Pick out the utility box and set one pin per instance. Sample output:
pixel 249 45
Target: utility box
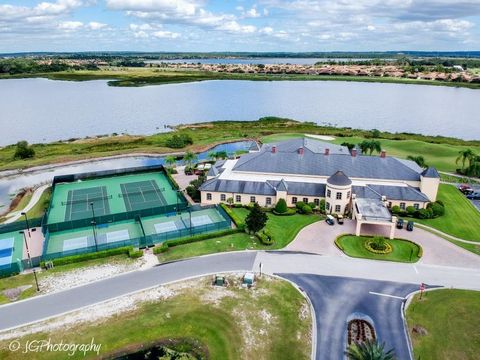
pixel 249 279
pixel 219 280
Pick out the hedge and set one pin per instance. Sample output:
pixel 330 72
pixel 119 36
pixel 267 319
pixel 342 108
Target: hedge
pixel 90 256
pixel 191 239
pixel 288 213
pixel 265 237
pixel 172 180
pixel 240 223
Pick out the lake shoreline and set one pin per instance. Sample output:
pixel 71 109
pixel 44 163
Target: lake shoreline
pixel 134 79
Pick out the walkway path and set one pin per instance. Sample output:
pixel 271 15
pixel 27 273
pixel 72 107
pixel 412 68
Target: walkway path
pixel 33 201
pixel 319 237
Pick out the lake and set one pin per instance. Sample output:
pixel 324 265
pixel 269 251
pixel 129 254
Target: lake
pixel 40 110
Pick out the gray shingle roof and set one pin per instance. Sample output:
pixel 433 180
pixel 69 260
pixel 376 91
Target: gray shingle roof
pixel 300 188
pixel 406 193
pixel 372 167
pixel 431 172
pixel 240 187
pixel 213 171
pixel 340 179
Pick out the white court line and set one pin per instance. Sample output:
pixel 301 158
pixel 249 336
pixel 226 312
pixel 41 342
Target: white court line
pixel 386 295
pixel 415 268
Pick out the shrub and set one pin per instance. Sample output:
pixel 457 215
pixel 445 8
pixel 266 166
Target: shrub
pixel 378 245
pixel 265 237
pixel 322 206
pixel 411 210
pixel 423 214
pixel 179 141
pixel 281 207
pixel 307 210
pixel 396 209
pixel 287 213
pixel 437 209
pixel 299 205
pixel 236 219
pixel 90 256
pixel 238 205
pixel 23 151
pixel 134 254
pixel 312 205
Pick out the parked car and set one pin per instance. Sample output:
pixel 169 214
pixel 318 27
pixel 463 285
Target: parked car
pixel 410 226
pixel 330 220
pixel 340 219
pixel 464 188
pixel 400 224
pixel 474 196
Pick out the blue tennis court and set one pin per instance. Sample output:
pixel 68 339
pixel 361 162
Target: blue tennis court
pixel 6 252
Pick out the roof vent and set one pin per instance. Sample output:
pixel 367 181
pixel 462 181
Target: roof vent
pixel 274 149
pixel 383 154
pixel 327 151
pixel 301 151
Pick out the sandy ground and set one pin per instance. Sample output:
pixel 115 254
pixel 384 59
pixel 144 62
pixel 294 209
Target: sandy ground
pixel 35 243
pixel 321 137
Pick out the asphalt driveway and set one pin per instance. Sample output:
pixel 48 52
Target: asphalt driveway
pixel 335 299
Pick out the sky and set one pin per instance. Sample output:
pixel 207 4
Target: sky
pixel 239 25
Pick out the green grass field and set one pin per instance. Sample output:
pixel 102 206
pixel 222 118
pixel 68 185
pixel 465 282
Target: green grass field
pixel 283 229
pixel 232 323
pixel 403 250
pixel 450 318
pixel 461 218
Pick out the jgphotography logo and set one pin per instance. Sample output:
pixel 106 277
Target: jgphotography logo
pixel 71 349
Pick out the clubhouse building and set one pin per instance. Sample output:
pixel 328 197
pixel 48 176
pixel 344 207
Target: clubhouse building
pixel 309 170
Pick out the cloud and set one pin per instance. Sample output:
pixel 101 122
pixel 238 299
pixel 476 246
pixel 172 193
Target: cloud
pixel 166 35
pixel 70 25
pixel 93 25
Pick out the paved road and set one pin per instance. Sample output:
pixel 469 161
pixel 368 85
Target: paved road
pixel 290 264
pixel 336 300
pixel 319 238
pixel 35 309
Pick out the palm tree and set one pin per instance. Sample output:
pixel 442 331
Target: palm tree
pixel 212 155
pixel 464 156
pixel 369 350
pixel 375 145
pixel 420 160
pixel 170 161
pixel 189 158
pixel 364 146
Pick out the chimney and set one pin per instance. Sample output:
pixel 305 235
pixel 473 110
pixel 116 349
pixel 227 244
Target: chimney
pixel 327 151
pixel 354 152
pixel 274 149
pixel 383 154
pixel 300 151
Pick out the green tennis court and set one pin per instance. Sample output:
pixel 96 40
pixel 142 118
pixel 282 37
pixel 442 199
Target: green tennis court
pixel 72 241
pixel 110 195
pixel 83 203
pixel 141 195
pixel 11 249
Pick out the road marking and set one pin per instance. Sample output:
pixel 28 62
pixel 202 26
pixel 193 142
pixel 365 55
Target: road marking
pixel 386 295
pixel 415 268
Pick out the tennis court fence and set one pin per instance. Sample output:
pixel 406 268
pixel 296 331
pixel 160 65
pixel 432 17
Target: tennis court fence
pixel 20 225
pixel 110 218
pixel 145 241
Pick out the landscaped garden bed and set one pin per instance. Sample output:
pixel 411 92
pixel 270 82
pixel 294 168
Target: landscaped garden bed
pixel 364 247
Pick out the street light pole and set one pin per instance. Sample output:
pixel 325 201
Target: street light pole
pixel 26 221
pixel 30 259
pixel 94 228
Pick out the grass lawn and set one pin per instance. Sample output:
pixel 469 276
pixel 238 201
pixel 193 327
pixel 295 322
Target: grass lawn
pixel 234 242
pixel 39 208
pixel 28 279
pixel 271 321
pixel 450 318
pixel 403 250
pixel 461 218
pixel 283 229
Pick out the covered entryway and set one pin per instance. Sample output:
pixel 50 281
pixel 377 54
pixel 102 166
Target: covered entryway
pixel 373 212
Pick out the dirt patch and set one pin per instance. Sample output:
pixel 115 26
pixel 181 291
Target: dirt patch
pixel 419 330
pixel 14 293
